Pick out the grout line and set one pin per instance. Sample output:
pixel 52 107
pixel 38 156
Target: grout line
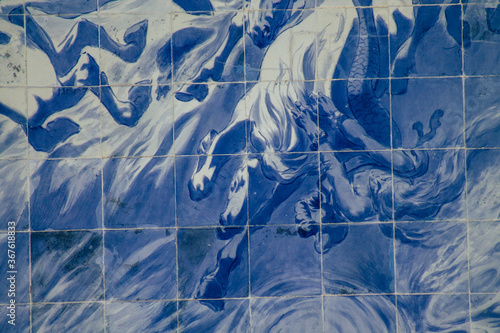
pixel 219 83
pixel 251 225
pixel 247 140
pixel 173 148
pixel 103 215
pixel 465 165
pixel 251 154
pixel 28 166
pixel 392 185
pixel 257 297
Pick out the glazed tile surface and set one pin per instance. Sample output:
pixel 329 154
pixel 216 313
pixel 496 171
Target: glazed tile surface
pixel 250 165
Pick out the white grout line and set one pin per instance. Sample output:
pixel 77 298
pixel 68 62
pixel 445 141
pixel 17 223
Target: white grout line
pixel 465 165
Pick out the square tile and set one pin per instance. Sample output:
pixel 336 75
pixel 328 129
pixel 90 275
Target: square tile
pixel 207 52
pixel 283 196
pixel 132 44
pixel 483 198
pixel 68 317
pixel 481 117
pixel 424 119
pixel 75 261
pixel 481 40
pixel 22 319
pixel 370 268
pixel 65 194
pixel 196 129
pixel 63 122
pixel 211 266
pixel 433 47
pixel 284 45
pixel 282 263
pixel 197 317
pixel 484 256
pixel 484 309
pixel 353 43
pixel 417 194
pixel 431 257
pixel 14 194
pixel 360 314
pixel 353 191
pixel 140 264
pixel 142 125
pixel 281 125
pixel 141 316
pixel 77 42
pixel 297 314
pixel 13 121
pixel 139 192
pixel 424 313
pixel 16 271
pixel 12 54
pixel 140 6
pixel 213 198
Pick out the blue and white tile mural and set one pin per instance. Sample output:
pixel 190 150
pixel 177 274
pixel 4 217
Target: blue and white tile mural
pixel 250 165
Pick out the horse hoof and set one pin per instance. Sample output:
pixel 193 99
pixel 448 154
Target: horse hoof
pixel 199 190
pixel 206 142
pixel 57 131
pixel 136 35
pixel 16 16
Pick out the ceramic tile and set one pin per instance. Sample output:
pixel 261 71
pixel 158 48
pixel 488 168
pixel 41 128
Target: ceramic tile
pixel 75 261
pixel 65 209
pixel 297 314
pixel 73 133
pixel 441 249
pixel 418 185
pixel 222 274
pixel 370 271
pixel 432 47
pixel 12 52
pixel 195 317
pixel 16 267
pixel 14 194
pixel 68 317
pixel 136 256
pixel 481 40
pixel 360 314
pixel 284 197
pixel 436 119
pixel 484 309
pixel 70 57
pixel 483 251
pixel 220 199
pixel 348 196
pixel 13 123
pixel 155 207
pixel 142 316
pixel 279 251
pixel 427 313
pixel 483 200
pixel 480 95
pixel 250 165
pixel 22 320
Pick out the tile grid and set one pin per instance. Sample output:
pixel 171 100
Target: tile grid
pixel 466 188
pixel 103 232
pixel 103 229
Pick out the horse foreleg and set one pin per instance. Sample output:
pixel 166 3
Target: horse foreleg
pixel 230 141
